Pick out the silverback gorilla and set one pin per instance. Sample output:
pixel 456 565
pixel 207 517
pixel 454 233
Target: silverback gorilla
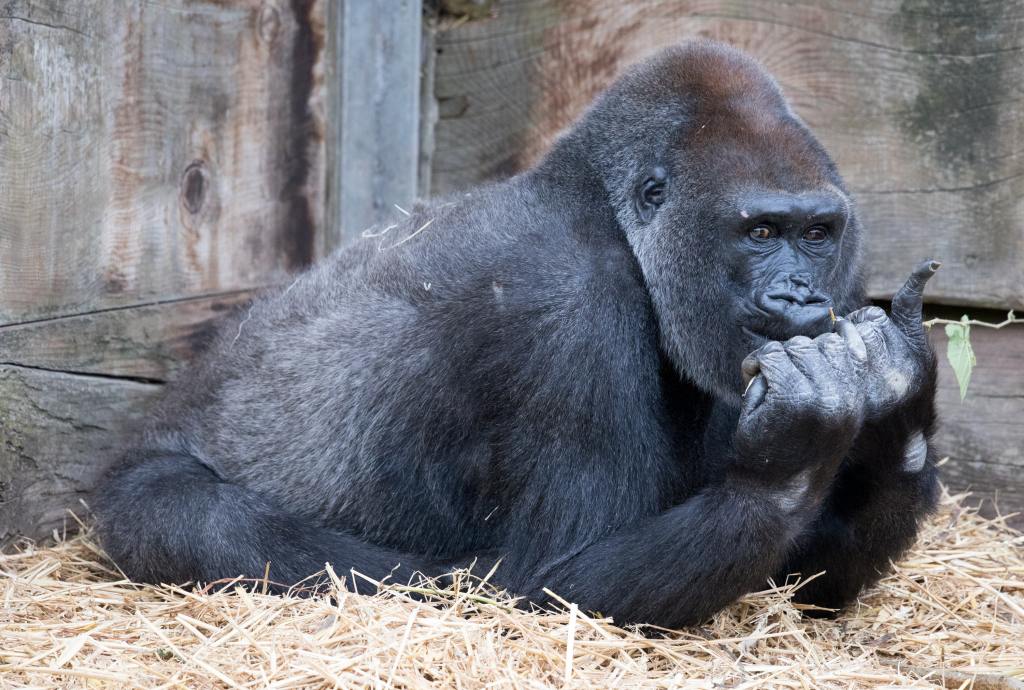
pixel 615 372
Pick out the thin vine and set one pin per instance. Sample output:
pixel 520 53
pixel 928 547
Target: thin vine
pixel 959 351
pixel 1010 318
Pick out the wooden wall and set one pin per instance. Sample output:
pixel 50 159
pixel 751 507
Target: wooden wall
pixel 921 102
pixel 158 163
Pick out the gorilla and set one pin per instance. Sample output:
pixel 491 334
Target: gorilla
pixel 616 375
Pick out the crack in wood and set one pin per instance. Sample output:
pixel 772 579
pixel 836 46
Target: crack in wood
pixel 57 27
pixel 86 374
pixel 137 305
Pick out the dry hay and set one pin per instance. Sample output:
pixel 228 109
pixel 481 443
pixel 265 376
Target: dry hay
pixel 951 615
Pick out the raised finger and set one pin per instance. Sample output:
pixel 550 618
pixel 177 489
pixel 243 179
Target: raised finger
pixel 907 302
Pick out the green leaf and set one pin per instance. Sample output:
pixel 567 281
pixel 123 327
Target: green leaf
pixel 960 354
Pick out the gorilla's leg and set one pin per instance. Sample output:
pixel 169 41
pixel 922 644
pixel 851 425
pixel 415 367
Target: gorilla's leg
pixel 167 518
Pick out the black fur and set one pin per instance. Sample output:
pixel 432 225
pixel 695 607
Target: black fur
pixel 547 371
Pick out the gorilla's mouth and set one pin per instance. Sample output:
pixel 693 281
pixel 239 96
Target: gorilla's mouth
pixel 775 319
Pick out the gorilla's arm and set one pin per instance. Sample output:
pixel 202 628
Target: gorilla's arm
pixel 889 480
pixel 679 567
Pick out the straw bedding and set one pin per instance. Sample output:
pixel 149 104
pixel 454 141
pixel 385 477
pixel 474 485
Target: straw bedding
pixel 952 615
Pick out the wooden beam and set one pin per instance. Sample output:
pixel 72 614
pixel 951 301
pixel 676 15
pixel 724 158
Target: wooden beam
pixel 373 94
pixel 147 342
pixel 58 434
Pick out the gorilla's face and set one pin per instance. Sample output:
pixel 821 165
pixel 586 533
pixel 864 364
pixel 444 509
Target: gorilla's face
pixel 779 251
pixel 734 211
pixel 743 240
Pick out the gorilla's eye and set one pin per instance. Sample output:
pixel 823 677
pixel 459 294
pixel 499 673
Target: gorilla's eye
pixel 762 232
pixel 654 192
pixel 651 194
pixel 815 233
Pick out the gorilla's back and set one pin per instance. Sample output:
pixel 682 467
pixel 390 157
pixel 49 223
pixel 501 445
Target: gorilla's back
pixel 359 380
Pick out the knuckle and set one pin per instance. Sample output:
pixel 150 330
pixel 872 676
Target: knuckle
pixel 875 314
pixel 831 343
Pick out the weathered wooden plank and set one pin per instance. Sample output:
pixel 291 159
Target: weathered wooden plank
pixel 984 435
pixel 154 151
pixel 70 389
pixel 158 161
pixel 145 342
pixel 58 433
pixel 374 94
pixel 922 104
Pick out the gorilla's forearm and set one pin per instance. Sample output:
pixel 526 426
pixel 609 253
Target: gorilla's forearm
pixel 888 483
pixel 679 567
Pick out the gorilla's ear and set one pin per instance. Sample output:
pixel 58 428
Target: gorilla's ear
pixel 651 194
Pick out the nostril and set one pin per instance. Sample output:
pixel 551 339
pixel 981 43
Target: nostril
pixel 787 296
pixel 800 280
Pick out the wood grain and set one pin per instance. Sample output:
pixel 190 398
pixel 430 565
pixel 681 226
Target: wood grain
pixel 374 98
pixel 148 342
pixel 154 151
pixel 921 103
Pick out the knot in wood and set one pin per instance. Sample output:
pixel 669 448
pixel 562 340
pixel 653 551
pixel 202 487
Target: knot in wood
pixel 268 23
pixel 194 184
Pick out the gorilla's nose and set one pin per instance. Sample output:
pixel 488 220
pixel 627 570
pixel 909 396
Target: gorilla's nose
pixel 796 309
pixel 797 289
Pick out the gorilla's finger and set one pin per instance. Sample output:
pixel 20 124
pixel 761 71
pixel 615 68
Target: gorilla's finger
pixel 907 303
pixel 804 354
pixel 873 335
pixel 854 343
pixel 865 314
pixel 834 349
pixel 777 368
pixel 754 395
pixel 750 368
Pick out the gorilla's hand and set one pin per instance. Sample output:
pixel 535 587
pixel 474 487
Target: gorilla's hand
pixel 900 362
pixel 803 407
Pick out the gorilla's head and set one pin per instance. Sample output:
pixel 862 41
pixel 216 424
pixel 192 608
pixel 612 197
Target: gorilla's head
pixel 737 216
